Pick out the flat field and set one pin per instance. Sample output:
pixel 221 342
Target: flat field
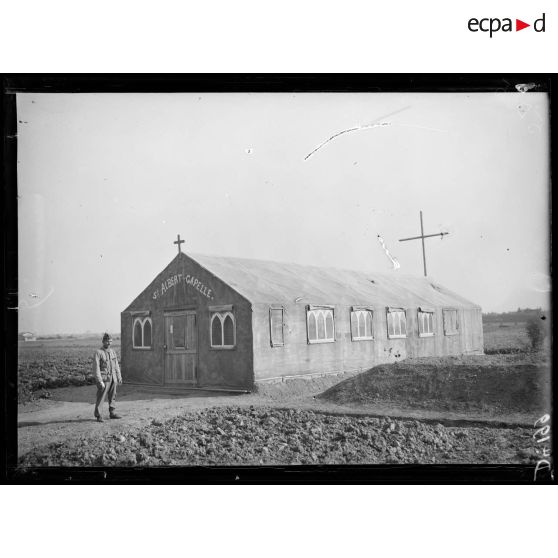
pixel 507 337
pixel 47 364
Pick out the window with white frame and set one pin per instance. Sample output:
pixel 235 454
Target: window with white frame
pixel 451 324
pixel 361 324
pixel 276 325
pixel 142 333
pixel 320 324
pixel 425 322
pixel 223 329
pixel 396 323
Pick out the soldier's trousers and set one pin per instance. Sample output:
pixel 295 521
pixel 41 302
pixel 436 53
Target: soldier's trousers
pixel 109 391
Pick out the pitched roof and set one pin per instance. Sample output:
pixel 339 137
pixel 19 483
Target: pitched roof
pixel 273 282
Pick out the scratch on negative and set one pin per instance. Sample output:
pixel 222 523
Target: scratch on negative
pixel 376 124
pixel 396 264
pixel 346 132
pixel 26 304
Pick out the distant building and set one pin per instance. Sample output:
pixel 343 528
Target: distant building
pixel 230 323
pixel 27 336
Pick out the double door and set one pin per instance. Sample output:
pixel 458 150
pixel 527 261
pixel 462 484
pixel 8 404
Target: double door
pixel 181 347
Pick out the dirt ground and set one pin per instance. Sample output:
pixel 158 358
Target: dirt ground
pixel 468 409
pixel 287 419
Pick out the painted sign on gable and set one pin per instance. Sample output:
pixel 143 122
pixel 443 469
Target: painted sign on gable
pixel 173 280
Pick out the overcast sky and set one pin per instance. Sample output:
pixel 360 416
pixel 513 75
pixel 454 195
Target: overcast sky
pixel 107 181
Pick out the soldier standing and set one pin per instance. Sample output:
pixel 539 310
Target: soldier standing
pixel 107 375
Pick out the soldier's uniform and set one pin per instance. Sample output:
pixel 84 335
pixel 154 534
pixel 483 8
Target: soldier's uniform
pixel 107 370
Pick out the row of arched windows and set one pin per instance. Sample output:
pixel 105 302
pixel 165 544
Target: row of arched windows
pixel 320 326
pixel 223 331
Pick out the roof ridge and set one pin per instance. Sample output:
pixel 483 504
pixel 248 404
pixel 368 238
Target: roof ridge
pixel 313 266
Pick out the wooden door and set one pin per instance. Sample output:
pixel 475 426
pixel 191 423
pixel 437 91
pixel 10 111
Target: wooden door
pixel 181 347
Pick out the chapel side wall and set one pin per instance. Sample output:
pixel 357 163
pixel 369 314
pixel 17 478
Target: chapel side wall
pixel 468 340
pixel 298 357
pixel 174 289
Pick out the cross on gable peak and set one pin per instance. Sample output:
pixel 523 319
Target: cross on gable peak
pixel 179 242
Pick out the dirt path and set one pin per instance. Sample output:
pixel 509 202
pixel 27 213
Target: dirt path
pixel 68 415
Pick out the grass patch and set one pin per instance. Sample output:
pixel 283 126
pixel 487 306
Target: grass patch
pixel 490 385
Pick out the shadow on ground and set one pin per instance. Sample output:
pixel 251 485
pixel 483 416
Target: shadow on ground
pixel 86 394
pixel 34 423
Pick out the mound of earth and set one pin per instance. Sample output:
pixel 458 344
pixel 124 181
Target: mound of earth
pixel 448 384
pixel 268 436
pixel 298 387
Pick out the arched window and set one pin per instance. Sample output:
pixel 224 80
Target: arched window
pixel 320 324
pixel 216 331
pixel 425 322
pixel 396 323
pixel 368 324
pixel 137 333
pixel 142 333
pixel 329 325
pixel 228 331
pixel 312 329
pixel 223 330
pixel 147 333
pixel 361 324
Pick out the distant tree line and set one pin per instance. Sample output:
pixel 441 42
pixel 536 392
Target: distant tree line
pixel 521 315
pixel 56 336
pixel 115 337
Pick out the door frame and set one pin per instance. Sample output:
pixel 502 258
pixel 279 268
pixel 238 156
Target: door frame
pixel 182 312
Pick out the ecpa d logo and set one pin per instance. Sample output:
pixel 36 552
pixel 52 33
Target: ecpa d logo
pixel 492 25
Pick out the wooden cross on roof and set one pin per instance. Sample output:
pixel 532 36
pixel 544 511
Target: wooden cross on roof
pixel 422 237
pixel 179 242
